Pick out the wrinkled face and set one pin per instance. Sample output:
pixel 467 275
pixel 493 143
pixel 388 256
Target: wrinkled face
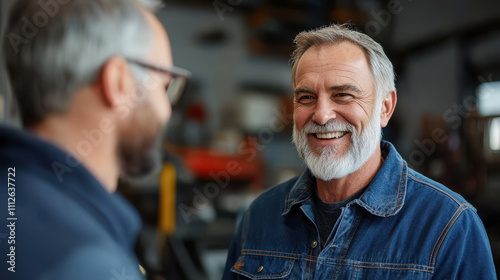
pixel 140 146
pixel 336 122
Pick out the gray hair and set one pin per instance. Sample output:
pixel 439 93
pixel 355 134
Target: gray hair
pixel 53 48
pixel 381 67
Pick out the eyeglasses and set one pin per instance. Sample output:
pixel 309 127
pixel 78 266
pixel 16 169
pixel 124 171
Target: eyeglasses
pixel 179 77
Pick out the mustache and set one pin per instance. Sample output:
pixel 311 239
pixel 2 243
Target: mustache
pixel 330 126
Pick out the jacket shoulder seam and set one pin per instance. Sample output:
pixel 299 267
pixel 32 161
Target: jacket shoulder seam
pixel 444 233
pixel 436 188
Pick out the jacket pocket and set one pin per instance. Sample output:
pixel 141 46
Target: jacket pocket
pixel 262 266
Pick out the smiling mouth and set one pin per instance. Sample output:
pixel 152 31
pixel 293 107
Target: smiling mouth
pixel 330 135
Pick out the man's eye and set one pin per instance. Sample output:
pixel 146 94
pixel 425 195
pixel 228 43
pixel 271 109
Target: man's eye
pixel 305 99
pixel 342 98
pixel 342 95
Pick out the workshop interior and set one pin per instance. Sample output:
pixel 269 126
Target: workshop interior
pixel 229 137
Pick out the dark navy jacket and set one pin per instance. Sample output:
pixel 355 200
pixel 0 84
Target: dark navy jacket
pixel 63 225
pixel 404 226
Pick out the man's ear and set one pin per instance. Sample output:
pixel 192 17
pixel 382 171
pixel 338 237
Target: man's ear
pixel 388 105
pixel 115 81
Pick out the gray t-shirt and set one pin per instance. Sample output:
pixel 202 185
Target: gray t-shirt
pixel 327 214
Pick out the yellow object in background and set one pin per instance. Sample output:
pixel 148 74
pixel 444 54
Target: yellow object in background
pixel 166 199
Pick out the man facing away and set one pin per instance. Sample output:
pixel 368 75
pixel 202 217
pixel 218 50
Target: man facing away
pixel 94 82
pixel 358 211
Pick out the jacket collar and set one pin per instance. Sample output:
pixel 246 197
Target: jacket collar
pixel 384 195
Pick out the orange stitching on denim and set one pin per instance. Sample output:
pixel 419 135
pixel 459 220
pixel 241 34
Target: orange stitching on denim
pixel 272 252
pixel 304 199
pixel 288 201
pixel 423 269
pixel 397 195
pixel 240 264
pixel 380 264
pixel 399 185
pixel 440 235
pixel 305 189
pixel 271 256
pixel 392 268
pixel 354 272
pixel 274 275
pixel 237 266
pixel 456 216
pixel 267 251
pixel 428 269
pixel 308 258
pixel 435 188
pixel 311 260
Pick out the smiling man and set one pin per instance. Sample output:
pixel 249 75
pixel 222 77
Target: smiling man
pixel 358 211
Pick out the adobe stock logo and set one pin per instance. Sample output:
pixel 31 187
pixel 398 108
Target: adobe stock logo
pixel 29 28
pixel 382 18
pixel 454 118
pixel 221 7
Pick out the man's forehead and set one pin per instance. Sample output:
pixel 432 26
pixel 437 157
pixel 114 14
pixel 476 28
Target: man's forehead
pixel 342 53
pixel 334 66
pixel 343 57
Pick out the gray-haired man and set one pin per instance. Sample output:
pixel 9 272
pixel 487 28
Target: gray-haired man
pixel 94 82
pixel 358 211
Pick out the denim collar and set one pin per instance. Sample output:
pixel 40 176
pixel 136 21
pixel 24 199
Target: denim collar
pixel 383 197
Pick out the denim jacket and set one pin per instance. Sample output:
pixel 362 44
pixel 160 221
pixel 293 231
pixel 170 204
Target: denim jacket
pixel 404 226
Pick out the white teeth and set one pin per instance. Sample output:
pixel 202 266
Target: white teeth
pixel 331 135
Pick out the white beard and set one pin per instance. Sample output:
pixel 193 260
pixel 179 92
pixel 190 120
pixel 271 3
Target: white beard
pixel 329 164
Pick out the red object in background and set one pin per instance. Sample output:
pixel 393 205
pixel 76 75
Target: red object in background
pixel 196 111
pixel 209 164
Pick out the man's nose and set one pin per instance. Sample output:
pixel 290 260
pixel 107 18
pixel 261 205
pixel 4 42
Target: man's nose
pixel 324 111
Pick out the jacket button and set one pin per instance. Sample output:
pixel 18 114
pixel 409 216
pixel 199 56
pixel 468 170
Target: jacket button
pixel 314 244
pixel 260 268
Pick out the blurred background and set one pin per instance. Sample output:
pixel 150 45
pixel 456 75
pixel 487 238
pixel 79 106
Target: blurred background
pixel 229 138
